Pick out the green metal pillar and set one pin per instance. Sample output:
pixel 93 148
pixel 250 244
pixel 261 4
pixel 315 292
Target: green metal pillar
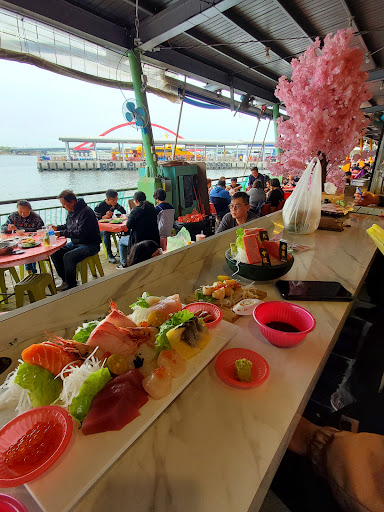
pixel 148 177
pixel 276 114
pixel 141 101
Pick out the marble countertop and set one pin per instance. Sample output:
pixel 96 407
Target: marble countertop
pixel 217 447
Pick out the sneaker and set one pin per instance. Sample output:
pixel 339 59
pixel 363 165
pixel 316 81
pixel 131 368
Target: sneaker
pixel 339 400
pixel 62 287
pixel 112 259
pixel 121 267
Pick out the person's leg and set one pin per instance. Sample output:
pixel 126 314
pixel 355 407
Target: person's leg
pixel 107 243
pixel 58 257
pixel 123 249
pixel 73 257
pixel 31 267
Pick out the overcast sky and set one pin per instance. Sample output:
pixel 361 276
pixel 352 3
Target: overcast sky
pixel 37 107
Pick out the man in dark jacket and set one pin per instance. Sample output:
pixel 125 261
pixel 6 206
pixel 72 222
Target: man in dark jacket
pixel 105 210
pixel 83 230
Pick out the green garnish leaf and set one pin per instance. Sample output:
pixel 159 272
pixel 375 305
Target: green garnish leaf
pixel 81 404
pixel 141 302
pixel 82 333
pixel 162 342
pixel 239 240
pixel 204 298
pixel 41 384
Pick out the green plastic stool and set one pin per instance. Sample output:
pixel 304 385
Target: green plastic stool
pixel 34 285
pixel 93 262
pixel 3 287
pixel 116 244
pixel 44 266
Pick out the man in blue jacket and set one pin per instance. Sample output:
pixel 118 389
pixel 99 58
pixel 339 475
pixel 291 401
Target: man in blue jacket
pixel 220 199
pixel 83 230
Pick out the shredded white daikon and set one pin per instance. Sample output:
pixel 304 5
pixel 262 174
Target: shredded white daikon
pixel 14 396
pixel 73 377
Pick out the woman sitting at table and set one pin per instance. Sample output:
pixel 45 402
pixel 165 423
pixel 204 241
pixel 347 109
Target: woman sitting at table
pixel 141 224
pixel 143 251
pixel 25 218
pixel 256 195
pixel 276 195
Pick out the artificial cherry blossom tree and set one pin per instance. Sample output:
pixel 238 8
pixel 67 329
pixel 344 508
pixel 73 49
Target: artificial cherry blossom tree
pixel 323 101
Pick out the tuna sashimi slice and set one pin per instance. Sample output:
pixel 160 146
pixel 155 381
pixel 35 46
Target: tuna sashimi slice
pixel 272 248
pixel 252 231
pixel 117 404
pixel 48 355
pixel 251 248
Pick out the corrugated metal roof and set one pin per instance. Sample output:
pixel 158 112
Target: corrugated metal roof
pixel 223 41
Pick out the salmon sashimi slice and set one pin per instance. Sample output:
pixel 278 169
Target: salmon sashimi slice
pixel 117 404
pixel 48 355
pixel 118 340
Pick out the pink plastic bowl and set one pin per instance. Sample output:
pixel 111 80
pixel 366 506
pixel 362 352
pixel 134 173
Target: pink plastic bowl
pixel 286 312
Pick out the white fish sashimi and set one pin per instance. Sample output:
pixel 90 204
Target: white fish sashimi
pixel 158 384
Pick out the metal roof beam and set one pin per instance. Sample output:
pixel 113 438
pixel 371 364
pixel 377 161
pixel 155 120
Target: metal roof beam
pixel 140 6
pixel 377 74
pixel 233 55
pixel 178 18
pixel 256 33
pixel 73 19
pixel 351 19
pixel 293 12
pixel 204 71
pixel 371 110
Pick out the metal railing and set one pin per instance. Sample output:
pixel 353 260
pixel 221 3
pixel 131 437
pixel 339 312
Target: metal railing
pixel 56 215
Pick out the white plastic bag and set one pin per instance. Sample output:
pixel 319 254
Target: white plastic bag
pixel 302 210
pixel 182 239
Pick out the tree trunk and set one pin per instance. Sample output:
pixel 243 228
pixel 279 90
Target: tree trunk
pixel 324 163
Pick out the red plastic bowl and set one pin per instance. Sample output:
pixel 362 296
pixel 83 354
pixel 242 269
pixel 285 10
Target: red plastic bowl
pixel 19 426
pixel 11 504
pixel 276 311
pixel 206 306
pixel 225 367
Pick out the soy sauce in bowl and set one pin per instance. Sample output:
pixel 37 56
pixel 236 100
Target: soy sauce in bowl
pixel 282 326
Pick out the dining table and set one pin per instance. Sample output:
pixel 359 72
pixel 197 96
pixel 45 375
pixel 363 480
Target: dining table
pixel 32 254
pixel 215 447
pixel 112 227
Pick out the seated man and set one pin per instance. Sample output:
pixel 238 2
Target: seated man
pixel 105 210
pixel 165 216
pixel 255 175
pixel 239 212
pixel 234 186
pixel 220 199
pixel 83 230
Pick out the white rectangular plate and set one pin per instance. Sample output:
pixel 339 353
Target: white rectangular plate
pixel 88 457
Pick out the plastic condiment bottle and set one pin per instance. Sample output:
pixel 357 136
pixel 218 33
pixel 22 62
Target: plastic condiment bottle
pixel 52 236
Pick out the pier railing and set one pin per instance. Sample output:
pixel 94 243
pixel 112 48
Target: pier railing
pixel 56 214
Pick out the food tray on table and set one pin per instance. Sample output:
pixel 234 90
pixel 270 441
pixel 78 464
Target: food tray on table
pixel 87 458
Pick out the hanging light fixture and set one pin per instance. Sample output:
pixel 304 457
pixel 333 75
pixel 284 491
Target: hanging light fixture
pixel 367 58
pixel 267 56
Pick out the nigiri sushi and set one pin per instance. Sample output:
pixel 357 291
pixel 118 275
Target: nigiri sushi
pixel 158 384
pixel 172 361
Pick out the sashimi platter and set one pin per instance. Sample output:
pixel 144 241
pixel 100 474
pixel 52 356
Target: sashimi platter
pixel 114 377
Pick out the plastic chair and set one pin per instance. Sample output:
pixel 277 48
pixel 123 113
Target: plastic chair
pixel 265 210
pixel 93 262
pixel 280 205
pixel 45 266
pixel 3 287
pixel 34 285
pixel 116 244
pixel 212 209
